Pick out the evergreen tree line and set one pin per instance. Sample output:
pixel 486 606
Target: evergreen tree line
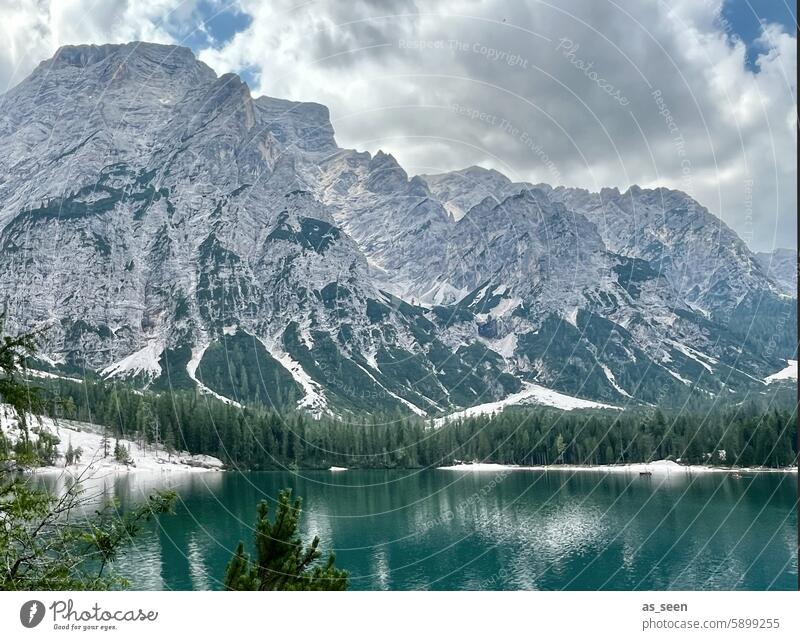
pixel 260 438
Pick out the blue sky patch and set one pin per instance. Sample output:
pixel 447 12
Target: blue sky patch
pixel 222 20
pixel 742 18
pixel 213 23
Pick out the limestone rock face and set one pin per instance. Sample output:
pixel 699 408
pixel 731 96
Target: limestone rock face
pixel 167 227
pixel 781 265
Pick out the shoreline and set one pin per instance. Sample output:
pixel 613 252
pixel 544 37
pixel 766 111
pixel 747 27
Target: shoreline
pixel 657 467
pixel 109 467
pixel 176 466
pixel 150 459
pixel 97 459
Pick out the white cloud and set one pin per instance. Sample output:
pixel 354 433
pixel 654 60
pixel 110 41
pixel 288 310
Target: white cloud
pixel 33 30
pixel 392 74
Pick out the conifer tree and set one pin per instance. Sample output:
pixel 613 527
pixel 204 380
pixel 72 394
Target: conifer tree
pixel 121 453
pixel 282 563
pixel 105 441
pixel 14 353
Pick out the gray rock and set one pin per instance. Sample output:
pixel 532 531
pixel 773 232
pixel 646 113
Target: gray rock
pixel 150 210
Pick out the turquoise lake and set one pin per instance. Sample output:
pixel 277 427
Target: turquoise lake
pixel 439 529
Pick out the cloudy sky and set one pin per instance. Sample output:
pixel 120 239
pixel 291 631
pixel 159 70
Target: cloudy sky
pixel 698 95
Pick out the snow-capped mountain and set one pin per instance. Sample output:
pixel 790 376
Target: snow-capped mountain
pixel 168 227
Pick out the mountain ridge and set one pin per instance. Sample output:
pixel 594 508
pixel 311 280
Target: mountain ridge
pixel 157 217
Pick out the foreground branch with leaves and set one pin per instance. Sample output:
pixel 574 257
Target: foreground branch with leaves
pixel 61 540
pixel 49 543
pixel 282 563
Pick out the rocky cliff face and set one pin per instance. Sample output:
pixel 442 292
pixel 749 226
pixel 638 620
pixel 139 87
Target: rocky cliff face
pixel 459 191
pixel 704 260
pixel 781 266
pixel 168 227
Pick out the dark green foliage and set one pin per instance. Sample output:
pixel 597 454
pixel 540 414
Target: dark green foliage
pixel 452 315
pixel 281 562
pixel 572 353
pixel 441 378
pixel 487 364
pixel 96 199
pixel 377 311
pixel 173 366
pixel 14 354
pixel 314 235
pixel 121 454
pixel 72 455
pixel 767 323
pixel 223 283
pixel 632 271
pixel 43 549
pixel 108 532
pixel 640 376
pixel 181 303
pixel 562 348
pixel 46 451
pixel 333 296
pixel 38 452
pixel 751 432
pixel 349 386
pixel 410 369
pixel 240 368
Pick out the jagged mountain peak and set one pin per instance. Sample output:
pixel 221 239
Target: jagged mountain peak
pixel 154 215
pixel 114 65
pixel 222 97
pixel 702 256
pixel 305 126
pixel 84 55
pixel 474 172
pixel 461 190
pixel 385 174
pixel 781 265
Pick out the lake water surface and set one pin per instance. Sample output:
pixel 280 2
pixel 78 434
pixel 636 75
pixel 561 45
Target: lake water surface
pixel 438 529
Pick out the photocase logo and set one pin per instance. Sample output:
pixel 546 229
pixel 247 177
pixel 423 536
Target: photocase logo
pixel 31 613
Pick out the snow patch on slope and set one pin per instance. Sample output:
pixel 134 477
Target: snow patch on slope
pixel 531 394
pixel 504 346
pixel 505 306
pixel 372 359
pixel 51 376
pixel 700 358
pixel 613 381
pixel 314 400
pixel 678 377
pixel 571 316
pixel 53 362
pixel 442 293
pixel 788 373
pixel 93 462
pixel 143 361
